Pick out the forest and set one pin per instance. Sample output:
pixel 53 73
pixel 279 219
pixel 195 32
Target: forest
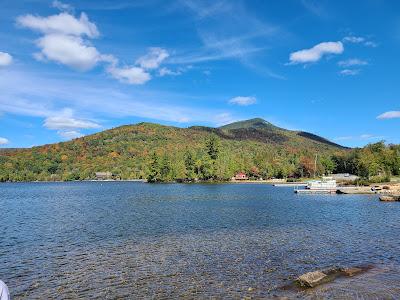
pixel 164 153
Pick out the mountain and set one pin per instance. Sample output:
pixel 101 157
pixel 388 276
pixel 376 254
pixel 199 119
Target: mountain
pixel 127 151
pixel 260 130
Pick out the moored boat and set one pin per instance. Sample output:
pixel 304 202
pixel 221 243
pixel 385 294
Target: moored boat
pixel 325 186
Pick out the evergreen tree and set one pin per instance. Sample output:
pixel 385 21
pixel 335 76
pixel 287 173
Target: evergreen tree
pixel 212 149
pixel 189 165
pixel 212 146
pixel 154 172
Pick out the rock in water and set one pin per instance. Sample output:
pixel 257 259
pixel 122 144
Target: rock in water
pixel 351 271
pixel 311 279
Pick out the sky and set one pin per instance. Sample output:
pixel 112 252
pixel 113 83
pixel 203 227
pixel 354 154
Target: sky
pixel 72 68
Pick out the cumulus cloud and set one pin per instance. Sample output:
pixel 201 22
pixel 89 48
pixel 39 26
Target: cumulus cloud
pixel 315 53
pixel 4 141
pixel 63 23
pixel 69 50
pixel 153 59
pixel 350 72
pixel 389 115
pixel 243 101
pixel 65 40
pixel 62 39
pixel 352 62
pixel 131 75
pixel 5 59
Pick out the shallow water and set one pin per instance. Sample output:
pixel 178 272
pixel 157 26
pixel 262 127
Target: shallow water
pixel 122 239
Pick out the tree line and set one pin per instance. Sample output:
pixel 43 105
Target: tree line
pixel 161 154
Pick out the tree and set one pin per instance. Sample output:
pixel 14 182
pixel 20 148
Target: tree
pixel 165 169
pixel 189 165
pixel 328 165
pixel 212 149
pixel 212 146
pixel 154 173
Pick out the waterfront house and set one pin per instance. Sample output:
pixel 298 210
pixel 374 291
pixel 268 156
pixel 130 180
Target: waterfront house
pixel 241 176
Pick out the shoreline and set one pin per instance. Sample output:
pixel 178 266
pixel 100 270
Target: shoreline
pixel 389 188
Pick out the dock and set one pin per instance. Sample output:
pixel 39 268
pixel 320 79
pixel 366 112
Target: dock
pixel 290 184
pixel 315 191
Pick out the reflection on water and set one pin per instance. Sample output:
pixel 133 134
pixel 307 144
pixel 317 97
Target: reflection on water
pixel 116 239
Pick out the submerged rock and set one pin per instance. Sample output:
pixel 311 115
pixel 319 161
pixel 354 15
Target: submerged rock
pixel 312 279
pixel 315 278
pixel 351 271
pixel 389 198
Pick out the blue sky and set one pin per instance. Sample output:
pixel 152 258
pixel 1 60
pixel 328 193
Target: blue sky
pixel 72 68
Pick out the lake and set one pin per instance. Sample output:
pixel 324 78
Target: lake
pixel 125 239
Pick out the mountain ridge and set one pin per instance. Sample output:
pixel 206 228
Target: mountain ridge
pixel 127 151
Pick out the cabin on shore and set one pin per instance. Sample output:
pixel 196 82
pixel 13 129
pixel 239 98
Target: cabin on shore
pixel 240 176
pixel 103 175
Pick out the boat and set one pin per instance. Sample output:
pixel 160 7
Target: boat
pixel 325 186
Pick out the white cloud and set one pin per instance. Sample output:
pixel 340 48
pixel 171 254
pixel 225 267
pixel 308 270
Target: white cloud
pixel 350 72
pixel 4 141
pixel 63 42
pixel 389 115
pixel 153 58
pixel 315 53
pixel 70 134
pixel 63 23
pixel 62 39
pixel 179 71
pixel 69 50
pixel 352 62
pixel 44 96
pixel 5 59
pixel 353 39
pixel 344 138
pixel 131 75
pixel 66 122
pixel 362 137
pixel 62 6
pixel 165 71
pixel 223 119
pixel 243 101
pixel 359 40
pixel 371 44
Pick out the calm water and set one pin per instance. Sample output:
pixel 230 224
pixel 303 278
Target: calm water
pixel 122 239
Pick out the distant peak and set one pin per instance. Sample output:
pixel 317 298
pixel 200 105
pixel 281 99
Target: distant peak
pixel 251 123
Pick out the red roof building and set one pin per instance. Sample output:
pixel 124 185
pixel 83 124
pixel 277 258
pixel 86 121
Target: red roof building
pixel 241 176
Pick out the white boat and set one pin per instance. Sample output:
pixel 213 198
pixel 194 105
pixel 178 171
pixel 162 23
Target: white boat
pixel 326 185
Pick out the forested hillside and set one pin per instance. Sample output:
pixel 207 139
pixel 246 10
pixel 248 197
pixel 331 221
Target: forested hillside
pixel 164 153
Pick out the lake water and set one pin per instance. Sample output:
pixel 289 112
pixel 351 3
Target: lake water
pixel 123 239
